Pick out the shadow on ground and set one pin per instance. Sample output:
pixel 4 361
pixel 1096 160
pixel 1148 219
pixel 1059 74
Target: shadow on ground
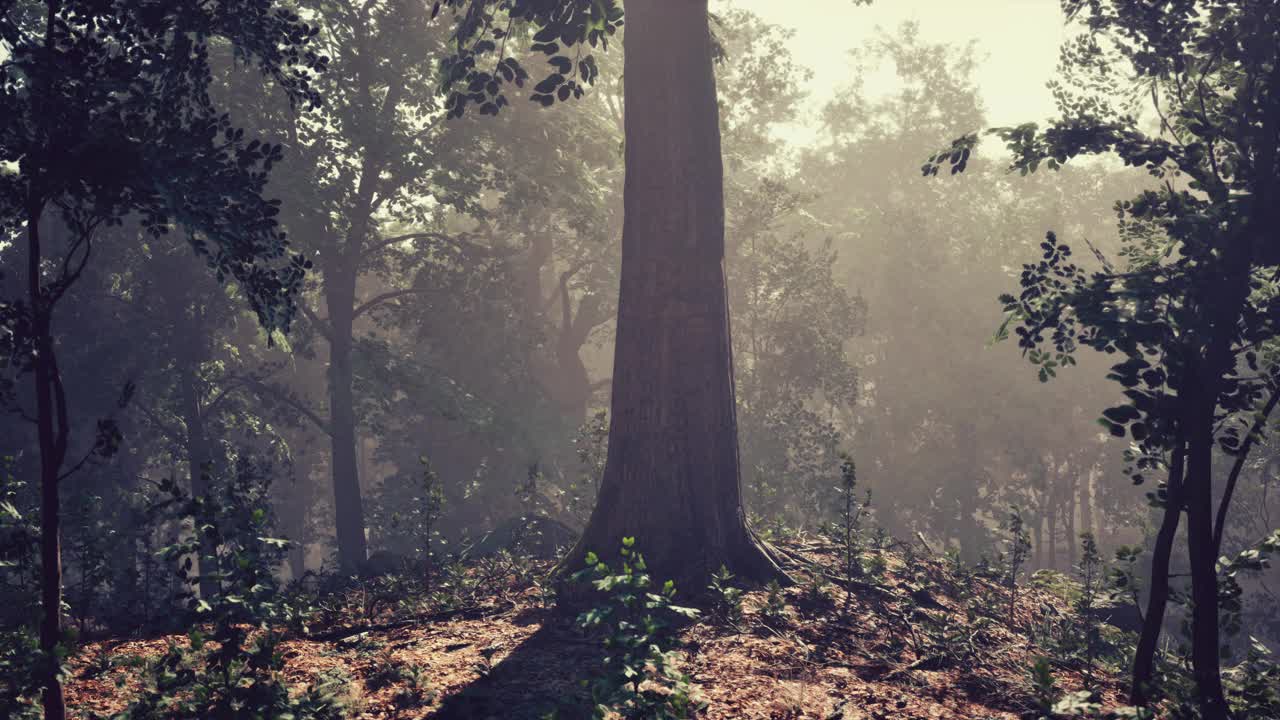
pixel 542 677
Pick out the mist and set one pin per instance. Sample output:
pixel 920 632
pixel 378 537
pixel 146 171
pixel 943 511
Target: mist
pixel 321 317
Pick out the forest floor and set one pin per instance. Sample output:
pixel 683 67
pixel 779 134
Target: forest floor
pixel 924 641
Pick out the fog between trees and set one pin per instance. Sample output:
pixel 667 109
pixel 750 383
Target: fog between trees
pixel 459 311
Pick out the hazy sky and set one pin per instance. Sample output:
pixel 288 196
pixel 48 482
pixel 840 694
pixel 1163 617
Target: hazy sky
pixel 1019 39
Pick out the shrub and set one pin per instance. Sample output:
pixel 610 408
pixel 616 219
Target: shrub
pixel 1090 574
pixel 774 610
pixel 726 599
pixel 19 587
pixel 230 666
pixel 641 675
pixel 1018 543
pixel 1049 703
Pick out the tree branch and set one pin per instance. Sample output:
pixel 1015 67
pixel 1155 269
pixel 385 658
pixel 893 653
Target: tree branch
pixel 234 385
pixel 381 298
pixel 164 427
pixel 1241 455
pixel 316 320
pixel 462 240
pixel 288 399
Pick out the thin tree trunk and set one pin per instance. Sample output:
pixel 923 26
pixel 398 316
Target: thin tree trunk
pixel 1037 528
pixel 295 515
pixel 672 475
pixel 1205 640
pixel 198 459
pixel 1158 595
pixel 1072 481
pixel 52 442
pixel 348 505
pixel 1086 504
pixel 52 452
pixel 1242 454
pixel 1051 536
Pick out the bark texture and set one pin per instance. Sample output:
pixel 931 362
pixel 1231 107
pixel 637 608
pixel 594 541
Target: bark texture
pixel 347 500
pixel 198 459
pixel 672 475
pixel 1158 597
pixel 52 431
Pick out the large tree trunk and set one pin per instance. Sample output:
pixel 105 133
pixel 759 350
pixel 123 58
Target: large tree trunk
pixel 198 459
pixel 672 476
pixel 349 508
pixel 1158 596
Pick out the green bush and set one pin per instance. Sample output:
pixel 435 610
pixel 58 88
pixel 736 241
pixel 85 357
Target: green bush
pixel 230 668
pixel 726 599
pixel 641 677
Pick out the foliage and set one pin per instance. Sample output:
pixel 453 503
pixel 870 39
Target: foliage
pixel 1254 684
pixel 1090 574
pixel 20 689
pixel 230 666
pixel 110 113
pixel 848 530
pixel 641 677
pixel 727 599
pixel 1053 704
pixel 483 28
pixel 19 653
pixel 1197 296
pixel 19 549
pixel 793 321
pixel 1018 546
pixel 404 517
pixel 590 445
pixel 816 586
pixel 1124 580
pixel 774 609
pixel 1251 560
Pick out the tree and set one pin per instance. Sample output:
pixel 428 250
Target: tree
pixel 107 113
pixel 1197 296
pixel 923 255
pixel 371 186
pixel 793 320
pixel 672 475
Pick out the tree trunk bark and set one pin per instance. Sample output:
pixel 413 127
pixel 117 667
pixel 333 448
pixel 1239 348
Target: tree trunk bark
pixel 1158 595
pixel 1072 482
pixel 1198 485
pixel 1086 504
pixel 1051 537
pixel 348 505
pixel 198 459
pixel 52 452
pixel 672 475
pixel 1037 529
pixel 294 515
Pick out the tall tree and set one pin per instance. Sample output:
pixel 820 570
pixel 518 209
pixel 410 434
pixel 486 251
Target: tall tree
pixel 672 475
pixel 367 185
pixel 107 113
pixel 1196 297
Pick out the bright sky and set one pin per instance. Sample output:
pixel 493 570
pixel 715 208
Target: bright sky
pixel 1019 39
